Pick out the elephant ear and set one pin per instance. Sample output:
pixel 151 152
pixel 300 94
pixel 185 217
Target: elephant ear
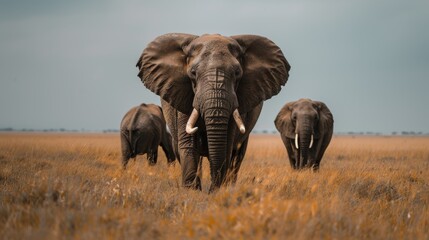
pixel 326 120
pixel 283 121
pixel 265 71
pixel 162 68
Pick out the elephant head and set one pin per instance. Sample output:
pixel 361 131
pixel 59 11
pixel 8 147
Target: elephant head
pixel 213 77
pixel 306 127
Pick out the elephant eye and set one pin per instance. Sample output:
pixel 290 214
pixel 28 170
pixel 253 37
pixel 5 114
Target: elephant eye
pixel 193 72
pixel 237 72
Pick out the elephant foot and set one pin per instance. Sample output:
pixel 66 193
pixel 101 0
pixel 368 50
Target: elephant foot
pixel 171 164
pixel 231 179
pixel 152 160
pixel 124 164
pixel 213 188
pixel 315 168
pixel 198 183
pixel 195 185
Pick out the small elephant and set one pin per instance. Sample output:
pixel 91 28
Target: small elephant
pixel 306 129
pixel 212 89
pixel 143 129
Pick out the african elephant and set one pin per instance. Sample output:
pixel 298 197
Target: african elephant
pixel 143 129
pixel 202 82
pixel 306 129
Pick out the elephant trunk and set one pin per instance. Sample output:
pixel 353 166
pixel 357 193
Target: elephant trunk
pixel 216 119
pixel 304 140
pixel 216 103
pixel 217 141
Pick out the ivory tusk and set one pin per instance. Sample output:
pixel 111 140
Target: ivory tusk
pixel 296 141
pixel 190 129
pixel 311 141
pixel 239 121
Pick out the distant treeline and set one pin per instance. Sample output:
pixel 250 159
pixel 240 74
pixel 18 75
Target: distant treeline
pixel 403 133
pixel 56 130
pixel 395 133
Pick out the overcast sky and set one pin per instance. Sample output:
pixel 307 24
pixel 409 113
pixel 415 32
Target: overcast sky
pixel 71 64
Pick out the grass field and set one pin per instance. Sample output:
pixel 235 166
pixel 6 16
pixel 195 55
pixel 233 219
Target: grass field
pixel 71 186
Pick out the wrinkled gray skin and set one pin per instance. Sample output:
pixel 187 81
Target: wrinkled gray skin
pixel 212 76
pixel 302 119
pixel 143 129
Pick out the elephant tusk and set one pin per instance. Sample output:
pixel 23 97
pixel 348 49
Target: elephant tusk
pixel 311 141
pixel 239 121
pixel 296 141
pixel 190 129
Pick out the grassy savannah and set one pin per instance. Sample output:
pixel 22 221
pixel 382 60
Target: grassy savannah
pixel 71 186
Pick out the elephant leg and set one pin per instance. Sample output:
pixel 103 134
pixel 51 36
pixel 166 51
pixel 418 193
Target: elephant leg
pixel 171 118
pixel 126 158
pixel 124 161
pixel 315 167
pixel 237 155
pixel 199 176
pixel 155 157
pixel 188 155
pixel 311 163
pixel 237 159
pixel 312 156
pixel 169 153
pixel 316 161
pixel 289 144
pixel 149 157
pixel 321 148
pixel 126 155
pixel 298 159
pixel 126 150
pixel 293 154
pixel 152 157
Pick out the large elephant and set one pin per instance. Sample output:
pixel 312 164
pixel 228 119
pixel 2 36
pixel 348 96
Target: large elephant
pixel 306 129
pixel 203 81
pixel 143 129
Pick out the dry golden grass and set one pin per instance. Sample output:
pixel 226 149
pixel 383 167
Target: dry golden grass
pixel 56 186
